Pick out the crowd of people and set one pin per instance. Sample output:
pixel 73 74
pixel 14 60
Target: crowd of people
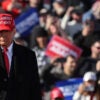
pixel 75 20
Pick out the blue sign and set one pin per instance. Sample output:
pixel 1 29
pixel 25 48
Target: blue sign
pixel 69 87
pixel 26 21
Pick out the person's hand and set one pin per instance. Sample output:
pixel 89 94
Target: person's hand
pixel 53 60
pixel 98 66
pixel 70 9
pixel 81 88
pixel 85 33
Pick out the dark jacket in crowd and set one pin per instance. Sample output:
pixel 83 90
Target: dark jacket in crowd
pixel 86 42
pixel 86 64
pixel 53 74
pixel 82 42
pixel 23 81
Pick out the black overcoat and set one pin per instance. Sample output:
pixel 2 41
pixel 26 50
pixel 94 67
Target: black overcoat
pixel 23 80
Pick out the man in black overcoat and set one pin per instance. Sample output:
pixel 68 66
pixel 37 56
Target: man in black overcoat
pixel 19 78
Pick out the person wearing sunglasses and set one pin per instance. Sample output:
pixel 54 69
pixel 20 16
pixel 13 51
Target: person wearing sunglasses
pixel 89 63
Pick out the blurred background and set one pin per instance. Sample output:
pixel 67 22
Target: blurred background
pixel 65 35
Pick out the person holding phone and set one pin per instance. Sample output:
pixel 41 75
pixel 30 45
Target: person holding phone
pixel 86 90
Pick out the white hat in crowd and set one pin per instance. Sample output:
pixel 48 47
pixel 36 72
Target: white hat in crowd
pixel 89 76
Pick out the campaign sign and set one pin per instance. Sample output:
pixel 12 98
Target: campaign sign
pixel 26 21
pixel 68 87
pixel 59 47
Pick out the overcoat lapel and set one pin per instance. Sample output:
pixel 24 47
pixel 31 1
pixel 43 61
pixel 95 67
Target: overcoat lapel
pixel 12 89
pixel 2 64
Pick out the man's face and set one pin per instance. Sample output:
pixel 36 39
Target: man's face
pixel 42 41
pixel 6 37
pixel 90 85
pixel 96 48
pixel 77 17
pixel 53 29
pixel 43 19
pixel 70 65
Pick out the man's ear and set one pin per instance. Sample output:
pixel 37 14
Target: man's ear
pixel 14 30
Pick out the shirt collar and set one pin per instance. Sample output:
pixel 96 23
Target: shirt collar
pixel 9 48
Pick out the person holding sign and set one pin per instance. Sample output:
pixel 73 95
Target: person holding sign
pixel 60 69
pixel 18 66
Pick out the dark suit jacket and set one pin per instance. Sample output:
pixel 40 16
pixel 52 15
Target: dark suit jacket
pixel 23 81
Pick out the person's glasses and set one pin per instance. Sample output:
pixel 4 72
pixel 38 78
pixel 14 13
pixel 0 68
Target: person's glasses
pixel 98 47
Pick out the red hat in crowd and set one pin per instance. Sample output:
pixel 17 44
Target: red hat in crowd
pixel 56 93
pixel 6 22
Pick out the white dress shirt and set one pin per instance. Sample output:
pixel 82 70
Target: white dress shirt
pixel 9 54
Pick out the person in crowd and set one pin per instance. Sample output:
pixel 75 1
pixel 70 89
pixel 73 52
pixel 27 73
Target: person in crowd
pixel 74 3
pixel 95 49
pixel 94 12
pixel 72 26
pixel 51 19
pixel 53 26
pixel 88 63
pixel 98 80
pixel 19 79
pixel 98 92
pixel 88 4
pixel 40 41
pixel 98 65
pixel 43 17
pixel 59 8
pixel 54 29
pixel 47 4
pixel 94 15
pixel 32 5
pixel 96 9
pixel 86 90
pixel 56 94
pixel 80 38
pixel 70 67
pixel 35 4
pixel 98 86
pixel 59 69
pixel 13 6
pixel 98 69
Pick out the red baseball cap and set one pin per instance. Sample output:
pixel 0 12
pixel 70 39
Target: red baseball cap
pixel 56 93
pixel 6 22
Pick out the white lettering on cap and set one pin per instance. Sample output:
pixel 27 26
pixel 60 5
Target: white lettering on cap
pixel 5 22
pixel 6 18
